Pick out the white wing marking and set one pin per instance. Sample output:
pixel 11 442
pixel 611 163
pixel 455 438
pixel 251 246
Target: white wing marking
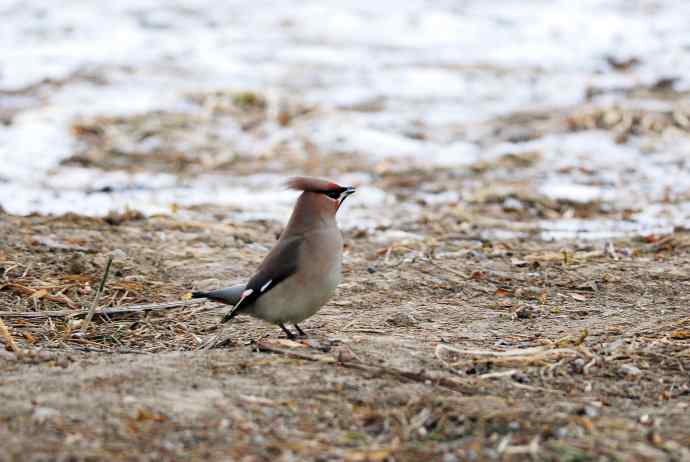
pixel 265 286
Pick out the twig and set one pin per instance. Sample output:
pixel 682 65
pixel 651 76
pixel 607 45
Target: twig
pixel 218 340
pixel 9 340
pixel 509 374
pixel 96 299
pixel 515 355
pixel 585 370
pixel 508 353
pixel 497 375
pixel 66 346
pixel 29 291
pixel 26 271
pixel 106 311
pixel 104 350
pixel 420 377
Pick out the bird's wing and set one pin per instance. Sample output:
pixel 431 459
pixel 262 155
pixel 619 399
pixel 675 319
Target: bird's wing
pixel 279 264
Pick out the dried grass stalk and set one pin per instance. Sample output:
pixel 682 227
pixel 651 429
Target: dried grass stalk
pixel 9 340
pixel 96 299
pixel 516 355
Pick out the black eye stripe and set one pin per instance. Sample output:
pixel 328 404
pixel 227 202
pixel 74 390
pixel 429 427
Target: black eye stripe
pixel 335 193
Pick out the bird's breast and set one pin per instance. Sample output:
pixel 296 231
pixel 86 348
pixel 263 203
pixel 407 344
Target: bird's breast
pixel 303 294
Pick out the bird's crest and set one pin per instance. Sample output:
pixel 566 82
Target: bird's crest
pixel 305 183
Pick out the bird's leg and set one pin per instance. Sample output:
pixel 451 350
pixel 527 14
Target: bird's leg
pixel 301 332
pixel 289 334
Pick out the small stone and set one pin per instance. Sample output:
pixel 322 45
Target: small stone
pixel 44 356
pixel 478 254
pixel 523 312
pixel 62 362
pixel 118 254
pixel 345 355
pixel 577 366
pixel 629 369
pixel 360 233
pixel 531 293
pixel 450 457
pixel 7 356
pixel 371 270
pixel 478 369
pixel 588 411
pixel 77 264
pixel 519 134
pixel 41 414
pixel 613 346
pixel 402 320
pixel 520 377
pixel 512 204
pixel 518 262
pixel 117 218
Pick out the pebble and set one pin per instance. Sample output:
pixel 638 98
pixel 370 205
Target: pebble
pixel 7 356
pixel 578 365
pixel 524 312
pixel 533 293
pixel 345 355
pixel 450 457
pixel 402 320
pixel 512 204
pixel 77 264
pixel 41 414
pixel 615 345
pixel 588 410
pixel 118 254
pixel 44 356
pixel 520 377
pixel 629 369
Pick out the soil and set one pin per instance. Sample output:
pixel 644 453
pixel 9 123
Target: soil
pixel 449 347
pixel 517 262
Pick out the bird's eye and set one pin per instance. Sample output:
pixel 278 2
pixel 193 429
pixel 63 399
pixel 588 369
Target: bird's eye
pixel 333 194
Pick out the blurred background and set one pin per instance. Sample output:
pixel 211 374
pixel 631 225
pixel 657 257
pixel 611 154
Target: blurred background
pixel 553 119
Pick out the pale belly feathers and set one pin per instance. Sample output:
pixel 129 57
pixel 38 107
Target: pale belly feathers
pixel 300 297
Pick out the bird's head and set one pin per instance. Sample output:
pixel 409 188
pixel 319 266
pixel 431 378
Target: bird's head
pixel 320 196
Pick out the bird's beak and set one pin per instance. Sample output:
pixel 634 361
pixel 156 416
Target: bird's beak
pixel 349 191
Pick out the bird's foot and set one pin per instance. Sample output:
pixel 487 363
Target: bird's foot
pixel 289 334
pixel 300 332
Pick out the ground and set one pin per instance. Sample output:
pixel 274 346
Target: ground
pixel 516 267
pixel 404 363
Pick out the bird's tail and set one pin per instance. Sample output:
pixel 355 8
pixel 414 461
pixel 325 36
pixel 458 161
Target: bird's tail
pixel 229 296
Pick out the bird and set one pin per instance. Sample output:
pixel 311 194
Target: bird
pixel 301 272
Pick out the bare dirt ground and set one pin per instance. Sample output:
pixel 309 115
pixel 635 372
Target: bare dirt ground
pixel 446 348
pixel 462 330
pixel 458 333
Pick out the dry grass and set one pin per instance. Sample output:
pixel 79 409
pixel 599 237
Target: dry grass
pixel 506 350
